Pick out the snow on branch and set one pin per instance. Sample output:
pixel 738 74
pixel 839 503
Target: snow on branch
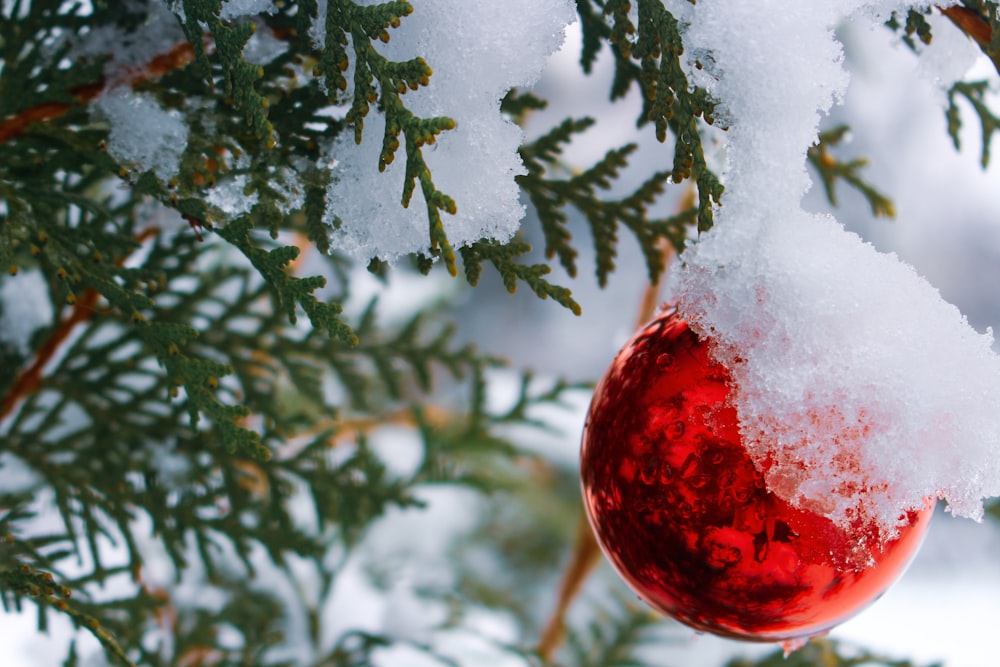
pixel 845 361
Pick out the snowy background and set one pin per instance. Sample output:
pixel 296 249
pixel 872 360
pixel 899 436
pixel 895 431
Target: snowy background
pixel 947 226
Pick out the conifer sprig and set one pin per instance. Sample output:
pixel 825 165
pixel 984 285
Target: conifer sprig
pixel 915 25
pixel 647 53
pixel 831 170
pixel 380 80
pixel 551 196
pixel 613 637
pixel 240 77
pixel 503 257
pixel 974 92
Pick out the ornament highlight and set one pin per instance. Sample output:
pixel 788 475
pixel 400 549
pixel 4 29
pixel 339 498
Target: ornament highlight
pixel 684 516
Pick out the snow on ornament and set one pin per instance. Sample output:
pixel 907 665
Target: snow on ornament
pixel 761 463
pixel 685 516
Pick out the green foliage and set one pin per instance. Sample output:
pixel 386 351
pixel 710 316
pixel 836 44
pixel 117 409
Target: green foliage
pixel 503 257
pixel 550 196
pixel 647 53
pixel 980 20
pixel 974 93
pixel 831 170
pixel 526 528
pixel 28 74
pixel 240 77
pixel 916 24
pixel 377 79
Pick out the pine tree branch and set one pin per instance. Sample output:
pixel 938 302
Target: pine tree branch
pixel 975 93
pixel 831 170
pixel 916 24
pixel 28 380
pixel 503 257
pixel 647 53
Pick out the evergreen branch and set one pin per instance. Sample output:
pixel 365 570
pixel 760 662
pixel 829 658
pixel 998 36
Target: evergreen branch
pixel 240 76
pixel 352 495
pixel 517 104
pixel 289 290
pixel 28 380
pixel 613 637
pixel 377 79
pixel 435 200
pixel 199 377
pixel 832 170
pixel 916 24
pixel 42 589
pixel 409 347
pixel 595 32
pixel 503 257
pixel 974 92
pixel 314 208
pixel 647 53
pixel 550 196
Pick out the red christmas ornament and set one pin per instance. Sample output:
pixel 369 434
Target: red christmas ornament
pixel 684 516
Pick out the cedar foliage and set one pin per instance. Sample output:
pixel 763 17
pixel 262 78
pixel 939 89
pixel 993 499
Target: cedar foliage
pixel 199 401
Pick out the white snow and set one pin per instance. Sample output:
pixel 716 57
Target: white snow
pixel 24 308
pixel 143 134
pixel 949 56
pixel 475 63
pixel 156 35
pixel 229 196
pixel 263 47
pixel 861 392
pixel 235 9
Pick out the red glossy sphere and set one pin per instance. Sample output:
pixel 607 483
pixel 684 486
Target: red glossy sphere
pixel 684 516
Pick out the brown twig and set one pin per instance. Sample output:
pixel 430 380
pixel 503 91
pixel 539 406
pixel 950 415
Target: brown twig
pixel 977 27
pixel 971 23
pixel 15 126
pixel 586 556
pixel 29 380
pixel 586 553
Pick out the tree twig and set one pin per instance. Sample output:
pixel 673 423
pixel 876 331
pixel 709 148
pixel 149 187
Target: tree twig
pixel 586 553
pixel 969 22
pixel 15 126
pixel 29 380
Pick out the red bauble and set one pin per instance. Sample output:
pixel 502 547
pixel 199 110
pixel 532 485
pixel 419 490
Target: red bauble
pixel 684 516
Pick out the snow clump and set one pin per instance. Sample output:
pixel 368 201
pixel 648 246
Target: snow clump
pixel 143 133
pixel 478 50
pixel 861 392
